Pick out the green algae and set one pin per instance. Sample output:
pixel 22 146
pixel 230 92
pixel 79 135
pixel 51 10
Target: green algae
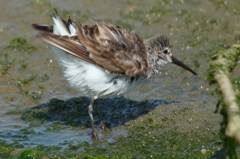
pixel 8 65
pixel 20 44
pixel 217 66
pixel 33 78
pixel 5 63
pixel 28 154
pixel 142 142
pixel 147 138
pixel 55 127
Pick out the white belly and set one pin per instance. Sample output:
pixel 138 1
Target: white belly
pixel 90 79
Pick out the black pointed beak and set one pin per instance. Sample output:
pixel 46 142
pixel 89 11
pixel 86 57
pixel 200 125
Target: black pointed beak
pixel 177 62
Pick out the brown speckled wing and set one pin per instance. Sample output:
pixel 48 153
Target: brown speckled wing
pixel 115 49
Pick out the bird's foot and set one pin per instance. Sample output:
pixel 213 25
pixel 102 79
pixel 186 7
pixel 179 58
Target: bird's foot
pixel 103 127
pixel 94 135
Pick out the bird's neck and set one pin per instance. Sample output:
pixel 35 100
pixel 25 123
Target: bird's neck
pixel 154 62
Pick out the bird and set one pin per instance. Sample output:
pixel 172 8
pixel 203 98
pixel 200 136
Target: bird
pixel 104 60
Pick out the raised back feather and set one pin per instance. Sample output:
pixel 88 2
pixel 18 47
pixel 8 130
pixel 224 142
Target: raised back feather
pixel 113 48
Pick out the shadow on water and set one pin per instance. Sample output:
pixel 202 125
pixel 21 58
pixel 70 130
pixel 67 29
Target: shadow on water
pixel 115 111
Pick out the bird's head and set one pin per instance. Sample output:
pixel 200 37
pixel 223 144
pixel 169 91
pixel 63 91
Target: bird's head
pixel 160 48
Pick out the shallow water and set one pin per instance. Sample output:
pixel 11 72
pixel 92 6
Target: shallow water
pixel 196 29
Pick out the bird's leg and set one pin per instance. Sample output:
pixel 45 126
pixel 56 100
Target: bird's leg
pixel 90 110
pixel 102 125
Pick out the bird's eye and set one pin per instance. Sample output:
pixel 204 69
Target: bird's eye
pixel 165 51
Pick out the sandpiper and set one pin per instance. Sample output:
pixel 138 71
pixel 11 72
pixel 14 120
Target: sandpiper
pixel 104 60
